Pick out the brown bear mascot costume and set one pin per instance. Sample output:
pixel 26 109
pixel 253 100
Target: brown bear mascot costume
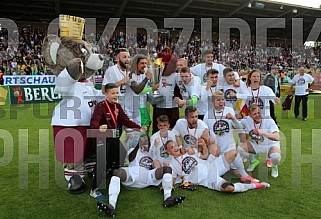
pixel 72 60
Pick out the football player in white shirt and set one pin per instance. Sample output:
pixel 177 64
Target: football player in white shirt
pixel 136 97
pixel 190 129
pixel 301 81
pixel 142 172
pixel 158 140
pixel 118 74
pixel 257 93
pixel 189 86
pixel 265 138
pixel 229 89
pixel 207 90
pixel 200 70
pixel 169 89
pixel 205 169
pixel 180 64
pixel 220 120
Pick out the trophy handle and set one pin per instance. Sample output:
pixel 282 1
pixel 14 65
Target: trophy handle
pixel 160 71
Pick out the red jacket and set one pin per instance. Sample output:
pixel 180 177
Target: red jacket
pixel 102 116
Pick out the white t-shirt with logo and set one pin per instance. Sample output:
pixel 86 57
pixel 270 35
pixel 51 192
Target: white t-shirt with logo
pixel 228 90
pixel 133 101
pixel 140 171
pixel 190 136
pixel 221 127
pixel 159 152
pixel 77 104
pixel 166 88
pixel 143 160
pixel 189 168
pixel 191 89
pixel 139 79
pixel 205 102
pixel 261 96
pixel 267 125
pixel 301 83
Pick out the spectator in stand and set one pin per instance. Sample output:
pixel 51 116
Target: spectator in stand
pixel 230 53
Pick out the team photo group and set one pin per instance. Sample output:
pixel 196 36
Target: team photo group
pixel 224 122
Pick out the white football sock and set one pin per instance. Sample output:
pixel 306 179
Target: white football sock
pixel 113 190
pixel 69 173
pixel 238 163
pixel 167 185
pixel 252 158
pixel 275 158
pixel 241 187
pixel 243 152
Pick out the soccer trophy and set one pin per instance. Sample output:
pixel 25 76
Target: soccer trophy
pixel 157 69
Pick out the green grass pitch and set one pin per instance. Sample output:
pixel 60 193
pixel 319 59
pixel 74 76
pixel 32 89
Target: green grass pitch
pixel 30 190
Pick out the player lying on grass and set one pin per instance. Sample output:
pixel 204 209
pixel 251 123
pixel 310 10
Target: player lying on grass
pixel 192 168
pixel 141 173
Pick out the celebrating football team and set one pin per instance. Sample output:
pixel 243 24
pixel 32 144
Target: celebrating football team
pixel 226 123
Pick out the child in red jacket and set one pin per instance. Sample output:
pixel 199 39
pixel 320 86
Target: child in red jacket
pixel 109 116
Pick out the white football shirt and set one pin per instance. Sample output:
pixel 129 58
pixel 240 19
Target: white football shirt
pixel 221 127
pixel 190 136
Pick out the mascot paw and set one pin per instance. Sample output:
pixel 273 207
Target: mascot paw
pixel 76 185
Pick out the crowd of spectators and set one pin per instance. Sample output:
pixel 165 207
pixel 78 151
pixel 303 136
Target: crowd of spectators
pixel 26 57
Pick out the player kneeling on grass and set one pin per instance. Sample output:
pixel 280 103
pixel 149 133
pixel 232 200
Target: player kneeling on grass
pixel 191 167
pixel 141 173
pixel 264 138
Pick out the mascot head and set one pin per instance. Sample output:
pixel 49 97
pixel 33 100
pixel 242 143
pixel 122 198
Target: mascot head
pixel 70 51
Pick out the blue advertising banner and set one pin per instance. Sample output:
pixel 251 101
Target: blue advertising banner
pixel 29 79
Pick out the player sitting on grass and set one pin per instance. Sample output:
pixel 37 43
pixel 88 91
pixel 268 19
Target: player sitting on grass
pixel 141 173
pixel 191 167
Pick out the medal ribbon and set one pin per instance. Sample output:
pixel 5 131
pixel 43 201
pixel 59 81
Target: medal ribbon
pixel 111 113
pixel 257 96
pixel 216 121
